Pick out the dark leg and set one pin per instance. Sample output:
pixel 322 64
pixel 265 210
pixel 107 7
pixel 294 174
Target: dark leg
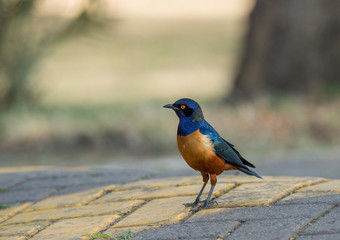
pixel 213 181
pixel 205 180
pixel 197 198
pixel 206 202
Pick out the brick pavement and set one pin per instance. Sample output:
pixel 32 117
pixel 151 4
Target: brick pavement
pixel 82 203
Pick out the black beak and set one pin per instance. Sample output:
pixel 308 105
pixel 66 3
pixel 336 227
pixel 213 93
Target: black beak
pixel 169 106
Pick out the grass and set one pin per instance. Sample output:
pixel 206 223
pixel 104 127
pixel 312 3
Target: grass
pixel 2 206
pixel 145 129
pixel 99 236
pixel 4 189
pixel 126 235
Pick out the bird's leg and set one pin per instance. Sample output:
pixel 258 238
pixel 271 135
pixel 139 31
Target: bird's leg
pixel 205 180
pixel 206 202
pixel 213 181
pixel 199 195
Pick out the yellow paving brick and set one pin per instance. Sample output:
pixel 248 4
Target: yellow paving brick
pixel 116 232
pixel 10 212
pixel 14 209
pixel 158 211
pixel 309 180
pixel 299 194
pixel 150 193
pixel 330 186
pixel 218 190
pixel 257 193
pixel 75 199
pixel 22 229
pixel 72 212
pixel 75 228
pixel 5 211
pixel 10 238
pixel 157 183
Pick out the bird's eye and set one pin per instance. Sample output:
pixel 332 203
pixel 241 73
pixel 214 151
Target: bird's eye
pixel 182 107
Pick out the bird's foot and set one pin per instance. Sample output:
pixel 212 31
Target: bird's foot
pixel 194 204
pixel 207 204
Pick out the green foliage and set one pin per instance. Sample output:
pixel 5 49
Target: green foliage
pixel 126 235
pixel 95 133
pixel 4 189
pixel 332 90
pixel 2 206
pixel 100 236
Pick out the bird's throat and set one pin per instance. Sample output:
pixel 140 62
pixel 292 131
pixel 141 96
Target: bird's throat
pixel 187 127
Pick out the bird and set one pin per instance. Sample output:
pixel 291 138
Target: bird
pixel 203 148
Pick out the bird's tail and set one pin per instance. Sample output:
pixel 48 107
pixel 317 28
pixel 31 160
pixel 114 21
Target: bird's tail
pixel 249 172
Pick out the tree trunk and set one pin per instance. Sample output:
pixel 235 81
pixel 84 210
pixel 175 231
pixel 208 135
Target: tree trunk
pixel 291 46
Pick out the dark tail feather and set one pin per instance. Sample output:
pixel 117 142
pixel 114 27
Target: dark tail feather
pixel 245 162
pixel 249 172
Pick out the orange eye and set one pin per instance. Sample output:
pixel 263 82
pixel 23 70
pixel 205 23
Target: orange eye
pixel 182 106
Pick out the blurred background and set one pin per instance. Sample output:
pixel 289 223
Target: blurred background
pixel 83 82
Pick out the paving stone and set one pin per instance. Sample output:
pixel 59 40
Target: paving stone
pixel 10 212
pixel 58 182
pixel 161 182
pixel 56 172
pixel 9 238
pixel 299 194
pixel 165 210
pixel 12 197
pixel 269 229
pixel 330 223
pixel 330 186
pixel 10 179
pixel 258 213
pixel 210 230
pixel 147 193
pixel 335 236
pixel 257 193
pixel 310 180
pixel 78 198
pixel 75 228
pixel 22 229
pixel 329 198
pixel 82 188
pixel 66 179
pixel 72 212
pixel 5 211
pixel 77 187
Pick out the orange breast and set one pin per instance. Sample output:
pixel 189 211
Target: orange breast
pixel 197 151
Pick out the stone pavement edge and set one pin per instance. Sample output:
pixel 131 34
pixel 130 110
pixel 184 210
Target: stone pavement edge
pixel 83 203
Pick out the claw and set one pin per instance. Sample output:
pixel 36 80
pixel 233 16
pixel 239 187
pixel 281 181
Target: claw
pixel 194 204
pixel 197 201
pixel 205 204
pixel 208 204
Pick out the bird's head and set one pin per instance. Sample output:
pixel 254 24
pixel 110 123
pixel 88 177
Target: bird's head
pixel 187 109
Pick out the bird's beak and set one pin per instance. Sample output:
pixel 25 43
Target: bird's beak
pixel 169 106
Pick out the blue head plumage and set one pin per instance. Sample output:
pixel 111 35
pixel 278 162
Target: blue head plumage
pixel 189 113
